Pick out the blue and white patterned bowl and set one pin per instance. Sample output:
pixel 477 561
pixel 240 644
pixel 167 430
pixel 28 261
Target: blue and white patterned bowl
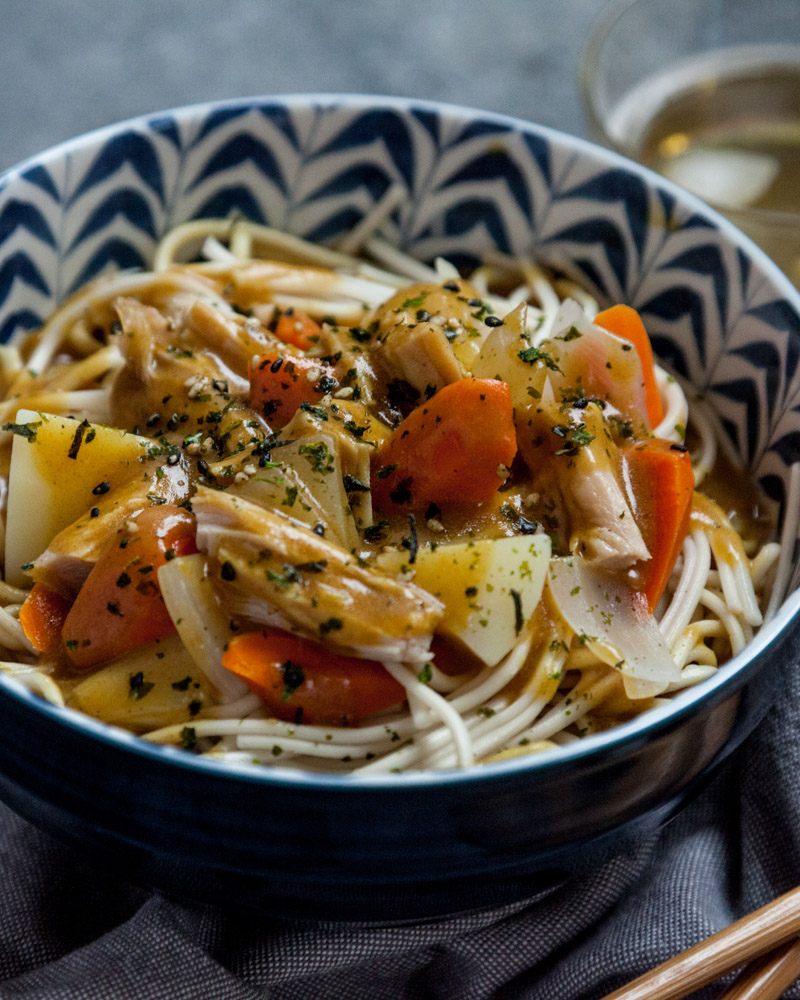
pixel 419 844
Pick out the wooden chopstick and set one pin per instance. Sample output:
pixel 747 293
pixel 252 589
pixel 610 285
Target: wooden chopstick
pixel 769 976
pixel 761 931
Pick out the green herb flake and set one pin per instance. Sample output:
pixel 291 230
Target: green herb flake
pixel 189 738
pixel 315 411
pixel 24 430
pixel 331 625
pixel 293 677
pixel 375 532
pixel 354 485
pixel 317 566
pixel 354 428
pixel 318 456
pixel 278 579
pixel 138 687
pixel 519 620
pixel 359 334
pixel 532 354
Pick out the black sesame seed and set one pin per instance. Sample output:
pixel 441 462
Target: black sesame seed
pixel 474 302
pixel 678 447
pixel 493 321
pixel 173 458
pixel 451 286
pixel 94 512
pixel 101 488
pixel 423 315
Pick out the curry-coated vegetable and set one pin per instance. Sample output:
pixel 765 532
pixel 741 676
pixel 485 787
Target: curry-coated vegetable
pixel 120 607
pixel 280 384
pixel 297 328
pixel 42 617
pixel 662 480
pixel 455 449
pixel 625 322
pixel 301 680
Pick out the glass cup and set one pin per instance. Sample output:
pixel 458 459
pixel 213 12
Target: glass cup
pixel 708 93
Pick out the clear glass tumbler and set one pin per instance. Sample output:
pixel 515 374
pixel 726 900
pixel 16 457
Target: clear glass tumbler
pixel 708 93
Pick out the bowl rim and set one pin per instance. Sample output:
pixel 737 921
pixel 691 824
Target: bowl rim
pixel 649 724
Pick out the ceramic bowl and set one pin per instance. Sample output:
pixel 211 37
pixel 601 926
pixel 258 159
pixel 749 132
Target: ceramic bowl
pixel 405 846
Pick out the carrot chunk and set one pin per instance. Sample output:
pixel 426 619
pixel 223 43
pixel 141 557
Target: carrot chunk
pixel 279 385
pixel 627 323
pixel 662 482
pixel 454 449
pixel 299 679
pixel 119 606
pixel 297 328
pixel 42 617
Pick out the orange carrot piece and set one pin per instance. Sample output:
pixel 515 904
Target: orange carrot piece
pixel 119 606
pixel 279 385
pixel 300 679
pixel 454 449
pixel 627 323
pixel 662 480
pixel 297 328
pixel 42 617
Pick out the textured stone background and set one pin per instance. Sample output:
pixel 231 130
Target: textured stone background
pixel 68 66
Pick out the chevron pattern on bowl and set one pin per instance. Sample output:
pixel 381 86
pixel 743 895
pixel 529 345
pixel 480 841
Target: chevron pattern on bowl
pixel 315 168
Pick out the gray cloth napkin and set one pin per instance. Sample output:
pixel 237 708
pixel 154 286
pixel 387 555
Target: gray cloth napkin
pixel 69 933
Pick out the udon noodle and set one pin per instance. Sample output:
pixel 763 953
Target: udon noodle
pixel 367 515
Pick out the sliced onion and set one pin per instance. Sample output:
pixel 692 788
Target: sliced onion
pixel 614 369
pixel 607 616
pixel 200 623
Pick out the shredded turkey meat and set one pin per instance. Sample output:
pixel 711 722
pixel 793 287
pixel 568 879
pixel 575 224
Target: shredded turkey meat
pixel 279 571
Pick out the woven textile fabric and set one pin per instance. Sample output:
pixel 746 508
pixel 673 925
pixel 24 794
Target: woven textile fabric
pixel 69 933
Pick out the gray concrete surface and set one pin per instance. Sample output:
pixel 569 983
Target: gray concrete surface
pixel 67 66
